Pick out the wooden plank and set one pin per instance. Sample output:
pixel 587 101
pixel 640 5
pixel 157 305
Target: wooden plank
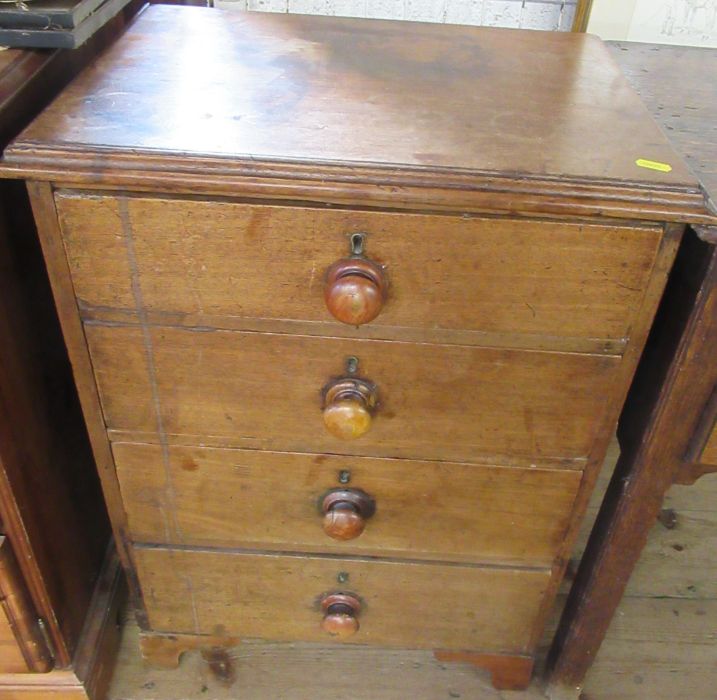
pixel 270 500
pixel 676 621
pixel 657 649
pixel 225 389
pixel 236 261
pixel 698 498
pixel 403 604
pixel 677 561
pixel 635 671
pixel 692 499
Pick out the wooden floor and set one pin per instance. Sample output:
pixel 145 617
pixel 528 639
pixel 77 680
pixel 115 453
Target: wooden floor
pixel 662 643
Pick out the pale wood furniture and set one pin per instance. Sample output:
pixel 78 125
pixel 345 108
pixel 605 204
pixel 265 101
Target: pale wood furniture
pixel 668 430
pixel 414 477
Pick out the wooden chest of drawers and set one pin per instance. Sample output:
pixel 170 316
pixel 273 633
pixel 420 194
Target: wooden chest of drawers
pixel 352 308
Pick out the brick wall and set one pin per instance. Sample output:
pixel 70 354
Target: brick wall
pixel 531 14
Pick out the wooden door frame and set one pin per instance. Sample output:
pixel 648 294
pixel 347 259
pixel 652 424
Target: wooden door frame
pixel 582 15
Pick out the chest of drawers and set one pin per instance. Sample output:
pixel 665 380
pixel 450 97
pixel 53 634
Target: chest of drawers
pixel 352 308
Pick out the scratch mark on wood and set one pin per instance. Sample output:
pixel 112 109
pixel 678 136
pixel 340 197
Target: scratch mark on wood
pixel 190 591
pixel 141 312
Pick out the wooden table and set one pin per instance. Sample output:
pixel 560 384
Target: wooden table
pixel 667 429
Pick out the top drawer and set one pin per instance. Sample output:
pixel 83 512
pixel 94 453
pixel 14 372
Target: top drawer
pixel 223 264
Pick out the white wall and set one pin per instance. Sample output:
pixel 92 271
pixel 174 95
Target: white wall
pixel 685 22
pixel 531 14
pixel 610 19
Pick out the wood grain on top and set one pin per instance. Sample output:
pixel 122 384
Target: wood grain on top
pixel 678 84
pixel 271 87
pixel 7 58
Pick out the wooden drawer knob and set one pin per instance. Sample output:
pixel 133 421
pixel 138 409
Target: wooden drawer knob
pixel 348 407
pixel 355 288
pixel 346 512
pixel 340 614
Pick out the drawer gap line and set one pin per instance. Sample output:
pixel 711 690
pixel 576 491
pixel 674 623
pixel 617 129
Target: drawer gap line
pixel 143 321
pixel 330 555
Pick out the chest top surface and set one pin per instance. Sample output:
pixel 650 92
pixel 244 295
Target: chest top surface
pixel 267 89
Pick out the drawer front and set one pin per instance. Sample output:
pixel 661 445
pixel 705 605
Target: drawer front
pixel 270 500
pixel 211 263
pixel 225 388
pixel 279 597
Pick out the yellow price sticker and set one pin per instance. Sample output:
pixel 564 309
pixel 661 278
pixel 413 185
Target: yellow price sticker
pixel 653 165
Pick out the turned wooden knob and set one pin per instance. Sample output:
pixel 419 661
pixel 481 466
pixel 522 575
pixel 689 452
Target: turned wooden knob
pixel 346 512
pixel 340 614
pixel 348 407
pixel 356 287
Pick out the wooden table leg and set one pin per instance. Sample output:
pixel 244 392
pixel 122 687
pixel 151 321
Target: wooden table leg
pixel 672 388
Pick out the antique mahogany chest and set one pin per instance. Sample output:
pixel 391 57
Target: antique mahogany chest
pixel 352 308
